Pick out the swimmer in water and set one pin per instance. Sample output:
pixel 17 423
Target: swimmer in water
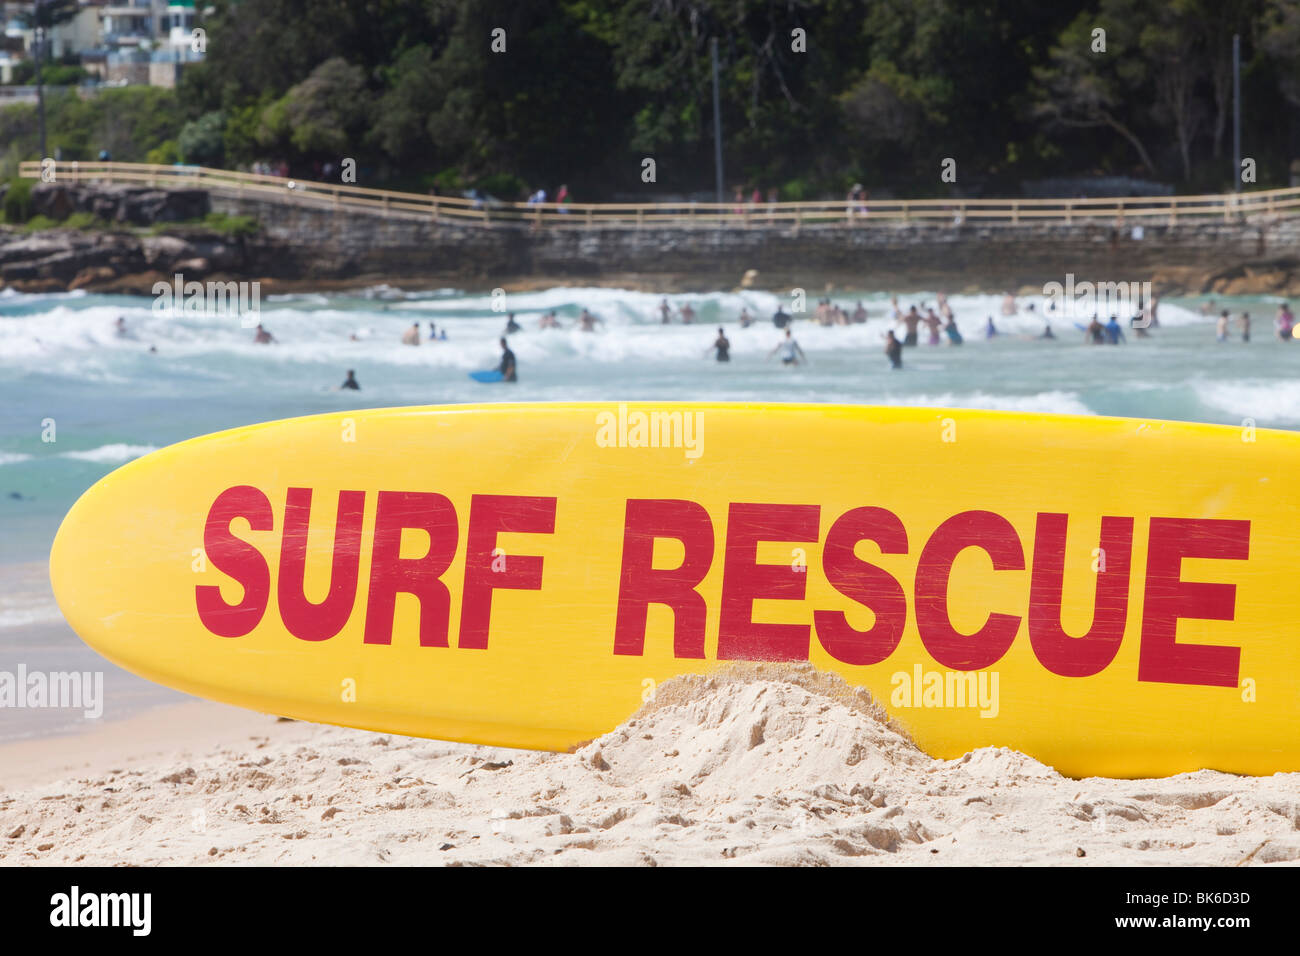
pixel 1244 324
pixel 120 327
pixel 511 325
pixel 910 322
pixel 351 381
pixel 688 314
pixel 1283 322
pixel 780 318
pixel 433 333
pixel 746 320
pixel 1221 327
pixel 893 350
pixel 587 321
pixel 859 314
pixel 507 368
pixel 950 327
pixel 1114 334
pixel 665 312
pixel 1047 332
pixel 791 354
pixel 412 335
pixel 990 330
pixel 1095 332
pixel 262 336
pixel 933 324
pixel 721 346
pixel 945 309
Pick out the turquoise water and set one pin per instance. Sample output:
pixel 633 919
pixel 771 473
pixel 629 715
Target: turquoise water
pixel 104 399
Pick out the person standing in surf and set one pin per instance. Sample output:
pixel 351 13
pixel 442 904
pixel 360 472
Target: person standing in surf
pixel 910 321
pixel 507 368
pixel 791 354
pixel 721 346
pixel 893 350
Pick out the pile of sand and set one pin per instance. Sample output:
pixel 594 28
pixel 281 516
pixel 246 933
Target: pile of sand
pixel 759 764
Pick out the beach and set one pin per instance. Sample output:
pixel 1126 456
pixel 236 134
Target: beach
pixel 757 769
pixel 754 765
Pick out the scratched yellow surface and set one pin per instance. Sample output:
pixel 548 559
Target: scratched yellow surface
pixel 124 564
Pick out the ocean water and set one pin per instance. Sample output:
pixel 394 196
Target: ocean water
pixel 66 375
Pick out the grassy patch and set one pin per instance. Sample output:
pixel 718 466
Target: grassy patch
pixel 232 227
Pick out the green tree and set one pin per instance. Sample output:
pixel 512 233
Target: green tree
pixel 201 141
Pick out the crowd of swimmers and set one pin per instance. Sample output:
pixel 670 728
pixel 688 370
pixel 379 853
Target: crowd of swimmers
pixel 1284 323
pixel 938 321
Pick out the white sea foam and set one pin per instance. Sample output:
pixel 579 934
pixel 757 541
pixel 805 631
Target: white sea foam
pixel 116 452
pixel 1271 402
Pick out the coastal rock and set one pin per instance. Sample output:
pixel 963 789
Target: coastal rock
pixel 192 267
pixel 137 205
pixel 92 276
pixel 159 251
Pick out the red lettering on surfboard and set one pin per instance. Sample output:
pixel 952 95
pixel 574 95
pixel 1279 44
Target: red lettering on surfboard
pixel 302 618
pixel 238 560
pixel 391 574
pixel 868 585
pixel 1168 597
pixel 993 534
pixel 641 584
pixel 490 515
pixel 744 580
pixel 1091 652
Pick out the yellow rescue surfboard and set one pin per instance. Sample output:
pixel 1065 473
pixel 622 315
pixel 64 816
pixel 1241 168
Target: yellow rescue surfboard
pixel 1111 596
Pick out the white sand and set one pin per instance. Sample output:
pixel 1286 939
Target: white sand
pixel 755 766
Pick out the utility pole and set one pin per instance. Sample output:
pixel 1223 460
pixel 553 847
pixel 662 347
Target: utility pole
pixel 38 41
pixel 717 121
pixel 1236 112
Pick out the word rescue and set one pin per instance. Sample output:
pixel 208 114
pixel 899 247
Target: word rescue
pixel 1166 597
